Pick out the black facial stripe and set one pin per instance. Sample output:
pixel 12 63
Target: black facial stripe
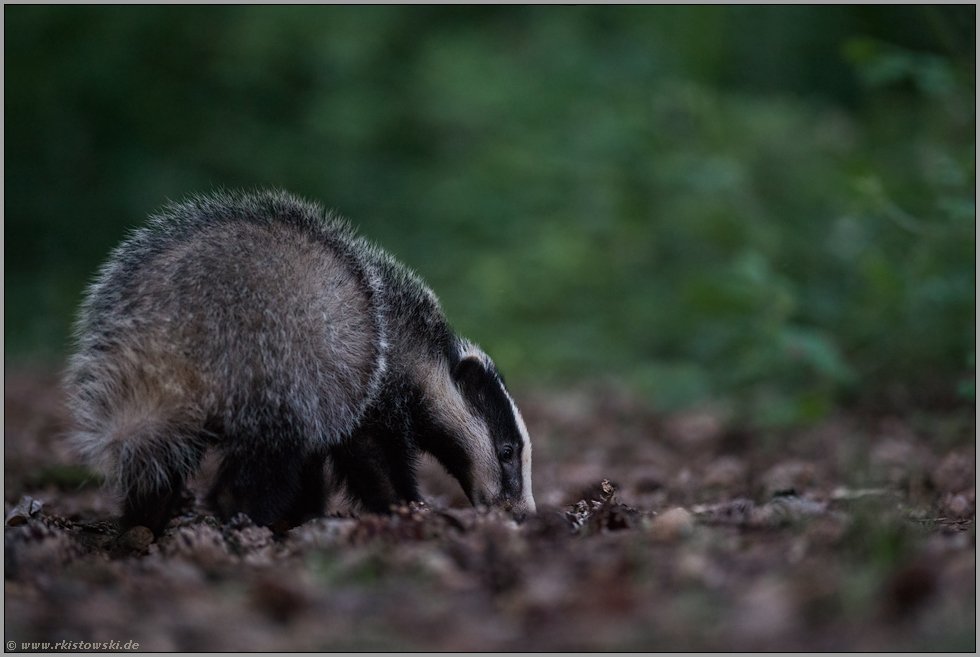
pixel 431 436
pixel 484 392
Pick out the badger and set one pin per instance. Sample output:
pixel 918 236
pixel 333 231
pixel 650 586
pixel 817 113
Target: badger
pixel 260 326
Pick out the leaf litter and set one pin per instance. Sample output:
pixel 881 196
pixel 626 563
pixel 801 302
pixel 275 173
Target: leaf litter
pixel 652 533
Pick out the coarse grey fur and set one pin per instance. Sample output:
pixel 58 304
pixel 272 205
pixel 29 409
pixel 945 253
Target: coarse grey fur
pixel 255 323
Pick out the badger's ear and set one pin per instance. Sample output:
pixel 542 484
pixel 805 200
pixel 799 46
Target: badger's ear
pixel 470 374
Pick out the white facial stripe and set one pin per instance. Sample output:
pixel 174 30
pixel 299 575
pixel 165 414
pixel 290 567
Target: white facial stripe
pixel 527 500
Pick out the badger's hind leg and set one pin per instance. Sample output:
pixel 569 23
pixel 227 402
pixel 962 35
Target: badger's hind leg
pixel 271 475
pixel 152 480
pixel 155 507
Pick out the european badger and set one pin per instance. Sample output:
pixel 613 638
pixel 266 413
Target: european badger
pixel 257 324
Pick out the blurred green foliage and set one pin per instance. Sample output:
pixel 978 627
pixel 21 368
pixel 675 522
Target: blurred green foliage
pixel 773 206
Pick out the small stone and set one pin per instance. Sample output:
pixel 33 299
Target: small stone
pixel 136 540
pixel 955 473
pixel 766 610
pixel 739 511
pixel 26 508
pixel 785 510
pixel 725 472
pixel 694 429
pixel 790 475
pixel 672 525
pixel 957 506
pixel 280 599
pixel 200 543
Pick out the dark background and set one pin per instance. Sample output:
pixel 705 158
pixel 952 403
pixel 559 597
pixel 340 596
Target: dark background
pixel 770 208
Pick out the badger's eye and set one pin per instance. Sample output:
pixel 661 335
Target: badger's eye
pixel 506 453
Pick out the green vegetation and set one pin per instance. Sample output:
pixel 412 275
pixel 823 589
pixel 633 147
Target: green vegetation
pixel 771 207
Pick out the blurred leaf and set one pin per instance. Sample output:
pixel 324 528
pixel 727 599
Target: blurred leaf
pixel 882 64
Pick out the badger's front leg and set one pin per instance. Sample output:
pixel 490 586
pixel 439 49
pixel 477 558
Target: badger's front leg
pixel 377 469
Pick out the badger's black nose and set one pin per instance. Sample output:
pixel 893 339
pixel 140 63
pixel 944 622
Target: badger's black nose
pixel 519 515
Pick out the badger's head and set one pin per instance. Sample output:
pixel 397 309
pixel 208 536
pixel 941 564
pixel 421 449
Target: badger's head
pixel 481 438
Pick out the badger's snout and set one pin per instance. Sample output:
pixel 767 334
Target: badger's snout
pixel 520 513
pixel 523 509
pixel 518 509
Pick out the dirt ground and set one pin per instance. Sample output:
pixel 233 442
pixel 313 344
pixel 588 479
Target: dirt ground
pixel 653 533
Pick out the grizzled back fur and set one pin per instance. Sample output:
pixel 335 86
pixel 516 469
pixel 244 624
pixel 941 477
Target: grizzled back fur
pixel 253 323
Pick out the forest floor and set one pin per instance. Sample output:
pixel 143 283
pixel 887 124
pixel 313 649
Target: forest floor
pixel 653 533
